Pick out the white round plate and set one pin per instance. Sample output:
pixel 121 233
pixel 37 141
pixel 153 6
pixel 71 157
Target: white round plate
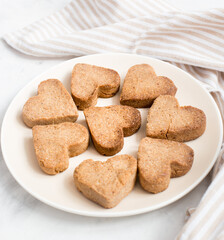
pixel 59 191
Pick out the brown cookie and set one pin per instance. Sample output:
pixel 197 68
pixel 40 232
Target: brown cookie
pixel 90 82
pixel 55 144
pixel 106 183
pixel 52 105
pixel 166 119
pixel 161 159
pixel 109 125
pixel 142 86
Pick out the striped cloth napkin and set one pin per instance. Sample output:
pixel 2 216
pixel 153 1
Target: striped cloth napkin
pixel 193 41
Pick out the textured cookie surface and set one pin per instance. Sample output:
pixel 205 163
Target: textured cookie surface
pixel 54 144
pixel 109 125
pixel 90 82
pixel 142 86
pixel 161 159
pixel 106 183
pixel 167 120
pixel 53 104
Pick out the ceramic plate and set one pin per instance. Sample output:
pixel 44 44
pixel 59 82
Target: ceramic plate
pixel 59 191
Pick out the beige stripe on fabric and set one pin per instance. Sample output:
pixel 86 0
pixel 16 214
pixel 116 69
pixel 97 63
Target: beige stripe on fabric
pixel 166 54
pixel 107 12
pixel 76 9
pixel 201 33
pixel 74 18
pixel 201 216
pixel 95 13
pixel 205 46
pixel 208 225
pixel 172 44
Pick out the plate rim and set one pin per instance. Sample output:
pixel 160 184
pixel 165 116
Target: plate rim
pixel 127 212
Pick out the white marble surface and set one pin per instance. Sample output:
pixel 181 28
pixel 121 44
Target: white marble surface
pixel 24 217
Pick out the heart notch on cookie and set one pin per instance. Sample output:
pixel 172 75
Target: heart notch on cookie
pixel 109 125
pixel 52 105
pixel 167 120
pixel 106 183
pixel 90 82
pixel 141 86
pixel 55 144
pixel 161 159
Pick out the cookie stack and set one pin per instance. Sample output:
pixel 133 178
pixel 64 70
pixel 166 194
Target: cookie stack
pixel 161 155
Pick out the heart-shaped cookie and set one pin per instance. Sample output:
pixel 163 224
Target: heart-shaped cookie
pixel 161 159
pixel 90 82
pixel 106 183
pixel 166 119
pixel 53 104
pixel 55 144
pixel 142 86
pixel 109 125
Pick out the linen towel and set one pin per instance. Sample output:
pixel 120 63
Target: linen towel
pixel 193 41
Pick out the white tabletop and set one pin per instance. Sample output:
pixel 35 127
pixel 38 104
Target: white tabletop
pixel 24 217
